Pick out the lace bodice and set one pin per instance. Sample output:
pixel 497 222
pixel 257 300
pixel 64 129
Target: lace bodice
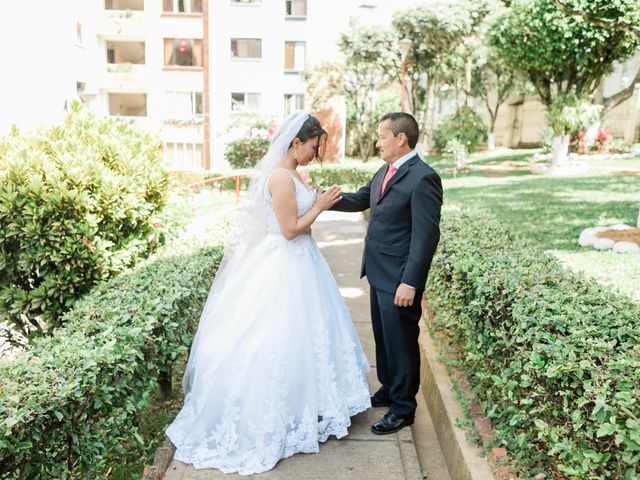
pixel 305 198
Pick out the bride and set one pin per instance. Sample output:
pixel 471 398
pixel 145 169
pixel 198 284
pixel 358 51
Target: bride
pixel 276 365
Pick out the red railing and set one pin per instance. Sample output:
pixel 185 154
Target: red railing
pixel 235 175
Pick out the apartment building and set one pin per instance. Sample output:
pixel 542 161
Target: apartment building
pixel 143 61
pixel 152 70
pixel 258 51
pixel 184 69
pixel 46 55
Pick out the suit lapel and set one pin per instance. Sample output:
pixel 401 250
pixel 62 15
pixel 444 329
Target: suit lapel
pixel 376 185
pixel 402 171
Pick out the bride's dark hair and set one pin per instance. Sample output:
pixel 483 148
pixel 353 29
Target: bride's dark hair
pixel 311 128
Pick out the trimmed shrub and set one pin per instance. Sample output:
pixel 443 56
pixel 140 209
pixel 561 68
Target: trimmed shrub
pixel 73 400
pixel 347 176
pixel 554 359
pixel 78 204
pixel 246 152
pixel 465 126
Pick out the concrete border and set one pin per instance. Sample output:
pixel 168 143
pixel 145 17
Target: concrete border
pixel 464 461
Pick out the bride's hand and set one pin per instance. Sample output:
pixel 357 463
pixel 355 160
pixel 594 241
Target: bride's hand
pixel 328 197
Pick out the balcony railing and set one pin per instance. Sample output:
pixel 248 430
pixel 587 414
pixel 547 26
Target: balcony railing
pixel 122 23
pixel 125 77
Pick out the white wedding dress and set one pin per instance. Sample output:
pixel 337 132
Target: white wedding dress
pixel 280 367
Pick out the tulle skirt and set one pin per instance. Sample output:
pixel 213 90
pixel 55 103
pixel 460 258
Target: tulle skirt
pixel 276 366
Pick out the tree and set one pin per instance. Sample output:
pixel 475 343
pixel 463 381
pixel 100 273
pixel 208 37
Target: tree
pixel 363 73
pixel 367 66
pixel 562 56
pixel 435 31
pixel 623 15
pixel 492 81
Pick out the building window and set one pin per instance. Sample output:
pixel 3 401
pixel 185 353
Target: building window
pixel 182 6
pixel 183 52
pixel 296 8
pixel 184 156
pixel 79 33
pixel 183 105
pixel 245 102
pixel 246 48
pixel 293 102
pixel 294 56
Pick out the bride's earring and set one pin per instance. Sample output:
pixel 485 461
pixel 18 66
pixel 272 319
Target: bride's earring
pixel 295 154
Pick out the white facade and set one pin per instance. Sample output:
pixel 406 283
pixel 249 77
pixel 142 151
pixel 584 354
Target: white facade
pixel 116 57
pixel 262 80
pixel 45 55
pixel 143 79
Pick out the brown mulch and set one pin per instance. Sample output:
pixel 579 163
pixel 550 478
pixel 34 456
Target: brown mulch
pixel 630 235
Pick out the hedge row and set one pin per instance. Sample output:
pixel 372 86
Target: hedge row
pixel 553 358
pixel 73 399
pixel 350 177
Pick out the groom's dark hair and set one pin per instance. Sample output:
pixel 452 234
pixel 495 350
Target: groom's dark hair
pixel 400 122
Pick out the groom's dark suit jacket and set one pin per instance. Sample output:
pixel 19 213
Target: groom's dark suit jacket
pixel 403 230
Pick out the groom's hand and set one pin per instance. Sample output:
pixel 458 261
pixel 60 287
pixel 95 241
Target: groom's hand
pixel 404 296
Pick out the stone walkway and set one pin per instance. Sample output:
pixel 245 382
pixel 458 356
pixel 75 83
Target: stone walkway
pixel 411 454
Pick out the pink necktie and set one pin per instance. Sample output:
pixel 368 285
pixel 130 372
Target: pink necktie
pixel 390 171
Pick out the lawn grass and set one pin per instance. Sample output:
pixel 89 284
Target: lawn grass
pixel 552 211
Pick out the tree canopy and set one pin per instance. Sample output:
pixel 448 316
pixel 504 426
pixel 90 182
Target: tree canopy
pixel 561 55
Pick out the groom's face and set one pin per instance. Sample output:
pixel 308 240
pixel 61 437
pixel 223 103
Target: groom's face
pixel 388 145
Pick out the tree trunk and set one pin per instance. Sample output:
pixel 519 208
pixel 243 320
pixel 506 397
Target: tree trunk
pixel 623 95
pixel 638 223
pixel 164 382
pixel 461 161
pixel 560 150
pixel 491 141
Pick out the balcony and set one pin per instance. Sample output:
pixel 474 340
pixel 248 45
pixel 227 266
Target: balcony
pixel 125 77
pixel 128 104
pixel 137 5
pixel 126 69
pixel 129 24
pixel 132 108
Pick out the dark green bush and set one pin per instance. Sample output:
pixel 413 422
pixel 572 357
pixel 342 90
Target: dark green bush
pixel 554 359
pixel 347 176
pixel 78 204
pixel 465 126
pixel 246 152
pixel 72 401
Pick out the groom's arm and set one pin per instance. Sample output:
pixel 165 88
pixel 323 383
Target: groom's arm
pixel 426 202
pixel 354 202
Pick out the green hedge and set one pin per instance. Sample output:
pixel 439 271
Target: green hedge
pixel 349 177
pixel 79 203
pixel 73 400
pixel 553 358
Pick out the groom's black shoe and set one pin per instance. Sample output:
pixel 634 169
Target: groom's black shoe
pixel 391 423
pixel 377 402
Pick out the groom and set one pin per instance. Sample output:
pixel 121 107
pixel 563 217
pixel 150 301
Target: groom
pixel 405 197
